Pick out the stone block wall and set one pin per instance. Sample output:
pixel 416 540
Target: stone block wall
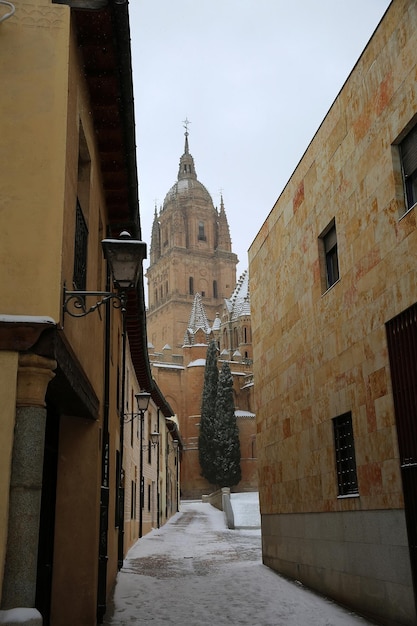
pixel 318 352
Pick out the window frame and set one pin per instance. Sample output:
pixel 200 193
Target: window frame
pixel 407 149
pixel 330 256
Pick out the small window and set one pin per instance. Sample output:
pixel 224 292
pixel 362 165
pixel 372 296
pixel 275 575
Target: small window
pixel 215 295
pixel 408 154
pixel 201 233
pixel 345 455
pixel 331 261
pixel 191 286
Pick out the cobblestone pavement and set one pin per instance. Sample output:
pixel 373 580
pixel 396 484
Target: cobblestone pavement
pixel 195 572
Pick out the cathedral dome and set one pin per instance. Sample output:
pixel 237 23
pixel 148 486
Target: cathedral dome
pixel 186 186
pixel 187 183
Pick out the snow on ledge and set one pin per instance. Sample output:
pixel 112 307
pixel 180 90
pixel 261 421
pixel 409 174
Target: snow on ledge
pixel 26 319
pixel 30 617
pixel 170 366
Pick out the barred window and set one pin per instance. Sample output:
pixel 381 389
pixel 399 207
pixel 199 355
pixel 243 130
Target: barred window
pixel 345 455
pixel 80 250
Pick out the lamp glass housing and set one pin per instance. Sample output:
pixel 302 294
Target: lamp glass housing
pixel 154 438
pixel 142 399
pixel 125 258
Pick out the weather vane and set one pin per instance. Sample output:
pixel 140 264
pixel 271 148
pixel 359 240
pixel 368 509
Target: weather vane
pixel 186 123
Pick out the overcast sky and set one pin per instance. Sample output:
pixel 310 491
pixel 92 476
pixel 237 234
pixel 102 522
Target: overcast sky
pixel 254 77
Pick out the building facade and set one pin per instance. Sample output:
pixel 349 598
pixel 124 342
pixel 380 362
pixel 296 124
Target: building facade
pixel 334 298
pixel 68 180
pixel 193 299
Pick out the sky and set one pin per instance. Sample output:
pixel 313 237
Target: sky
pixel 255 78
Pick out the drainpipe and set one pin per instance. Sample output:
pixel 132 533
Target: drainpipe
pixel 104 490
pixel 158 512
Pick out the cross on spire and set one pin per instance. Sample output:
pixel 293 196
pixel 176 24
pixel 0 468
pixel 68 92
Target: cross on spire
pixel 186 123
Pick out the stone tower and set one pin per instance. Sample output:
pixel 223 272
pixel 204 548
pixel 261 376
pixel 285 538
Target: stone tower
pixel 191 252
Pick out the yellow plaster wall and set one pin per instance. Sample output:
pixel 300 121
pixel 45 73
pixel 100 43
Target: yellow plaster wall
pixel 33 110
pixel 8 379
pixel 318 355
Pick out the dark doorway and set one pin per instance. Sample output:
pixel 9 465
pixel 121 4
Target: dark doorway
pixel 47 517
pixel 402 349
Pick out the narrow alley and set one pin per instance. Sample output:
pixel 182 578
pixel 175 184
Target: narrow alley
pixel 196 572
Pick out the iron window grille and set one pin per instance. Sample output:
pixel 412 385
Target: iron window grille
pixel 80 250
pixel 345 455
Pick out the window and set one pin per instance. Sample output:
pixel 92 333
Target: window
pixel 133 501
pixel 191 286
pixel 215 295
pixel 80 250
pixel 117 492
pixel 331 262
pixel 408 154
pixel 201 234
pixel 345 455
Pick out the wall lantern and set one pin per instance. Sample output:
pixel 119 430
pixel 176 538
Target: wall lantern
pixel 125 259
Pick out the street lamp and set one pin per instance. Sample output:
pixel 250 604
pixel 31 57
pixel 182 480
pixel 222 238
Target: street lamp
pixel 142 400
pixel 125 258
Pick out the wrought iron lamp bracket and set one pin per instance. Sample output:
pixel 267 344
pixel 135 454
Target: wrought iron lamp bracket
pixel 74 302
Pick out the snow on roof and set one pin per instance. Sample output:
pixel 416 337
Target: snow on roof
pixel 197 363
pixel 27 319
pixel 170 366
pixel 250 384
pixel 217 323
pixel 239 413
pixel 20 615
pixel 198 321
pixel 239 303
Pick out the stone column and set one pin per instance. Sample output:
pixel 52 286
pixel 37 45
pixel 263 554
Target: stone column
pixel 19 585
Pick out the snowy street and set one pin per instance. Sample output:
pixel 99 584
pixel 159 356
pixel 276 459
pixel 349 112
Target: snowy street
pixel 195 572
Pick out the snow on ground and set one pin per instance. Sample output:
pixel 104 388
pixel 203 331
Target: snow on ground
pixel 195 572
pixel 246 509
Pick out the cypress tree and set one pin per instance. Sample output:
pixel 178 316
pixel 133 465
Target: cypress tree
pixel 206 449
pixel 227 471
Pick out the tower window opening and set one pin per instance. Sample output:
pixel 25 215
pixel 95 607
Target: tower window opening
pixel 201 233
pixel 191 286
pixel 215 294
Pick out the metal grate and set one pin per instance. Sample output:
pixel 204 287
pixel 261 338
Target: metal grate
pixel 402 349
pixel 345 455
pixel 80 250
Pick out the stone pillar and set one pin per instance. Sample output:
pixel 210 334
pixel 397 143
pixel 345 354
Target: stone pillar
pixel 19 584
